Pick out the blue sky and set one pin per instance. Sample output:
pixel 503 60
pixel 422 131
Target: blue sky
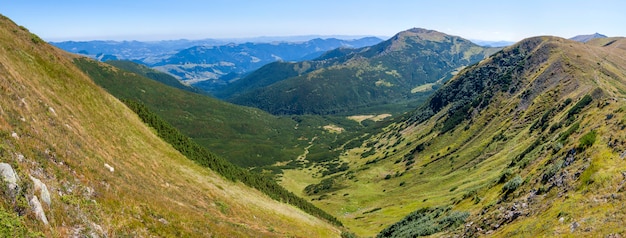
pixel 195 19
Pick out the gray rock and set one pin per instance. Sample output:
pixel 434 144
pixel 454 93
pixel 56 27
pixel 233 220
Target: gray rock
pixel 20 158
pixel 573 226
pixel 43 190
pixel 10 177
pixel 38 209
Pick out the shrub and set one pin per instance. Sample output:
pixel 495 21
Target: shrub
pixel 587 140
pixel 579 106
pixel 424 222
pixel 512 184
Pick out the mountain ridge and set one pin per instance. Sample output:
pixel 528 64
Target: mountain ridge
pixel 389 72
pixel 532 135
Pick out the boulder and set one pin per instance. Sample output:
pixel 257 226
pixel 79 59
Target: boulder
pixel 42 189
pixel 38 209
pixel 10 177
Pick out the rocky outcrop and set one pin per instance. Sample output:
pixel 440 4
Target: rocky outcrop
pixel 38 209
pixel 42 189
pixel 10 177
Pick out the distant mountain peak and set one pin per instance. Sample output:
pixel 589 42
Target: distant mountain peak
pixel 585 38
pixel 415 35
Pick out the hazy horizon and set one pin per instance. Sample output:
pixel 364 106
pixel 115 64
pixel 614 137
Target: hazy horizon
pixel 143 20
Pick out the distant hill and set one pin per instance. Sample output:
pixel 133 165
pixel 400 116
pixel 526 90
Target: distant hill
pixel 585 38
pixel 208 64
pixel 150 73
pixel 398 71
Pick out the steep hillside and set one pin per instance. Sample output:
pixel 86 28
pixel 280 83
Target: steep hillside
pixel 87 166
pixel 529 142
pixel 400 70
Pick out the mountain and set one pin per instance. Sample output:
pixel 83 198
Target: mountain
pixel 132 50
pixel 153 74
pixel 208 64
pixel 585 38
pixel 528 142
pixel 76 162
pixel 399 71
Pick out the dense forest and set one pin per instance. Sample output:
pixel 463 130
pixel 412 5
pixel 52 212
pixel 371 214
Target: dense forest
pixel 202 156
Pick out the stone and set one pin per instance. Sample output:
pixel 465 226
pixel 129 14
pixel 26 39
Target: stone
pixel 42 189
pixel 10 177
pixel 20 157
pixel 38 209
pixel 573 226
pixel 14 135
pixel 52 111
pixel 109 167
pixel 562 219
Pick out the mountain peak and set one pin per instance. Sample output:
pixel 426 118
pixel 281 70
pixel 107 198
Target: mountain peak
pixel 585 38
pixel 422 33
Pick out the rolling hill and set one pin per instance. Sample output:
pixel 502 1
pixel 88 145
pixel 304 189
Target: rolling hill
pixel 528 142
pixel 399 71
pixel 75 161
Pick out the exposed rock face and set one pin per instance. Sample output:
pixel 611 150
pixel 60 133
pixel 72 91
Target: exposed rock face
pixel 10 177
pixel 38 209
pixel 43 190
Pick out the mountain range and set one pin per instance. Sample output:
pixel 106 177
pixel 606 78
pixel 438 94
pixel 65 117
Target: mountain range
pixel 399 71
pixel 209 63
pixel 527 140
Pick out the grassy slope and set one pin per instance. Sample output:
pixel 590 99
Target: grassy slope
pixel 69 128
pixel 463 167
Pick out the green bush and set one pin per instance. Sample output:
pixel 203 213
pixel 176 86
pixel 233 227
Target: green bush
pixel 579 106
pixel 512 184
pixel 587 140
pixel 12 225
pixel 424 222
